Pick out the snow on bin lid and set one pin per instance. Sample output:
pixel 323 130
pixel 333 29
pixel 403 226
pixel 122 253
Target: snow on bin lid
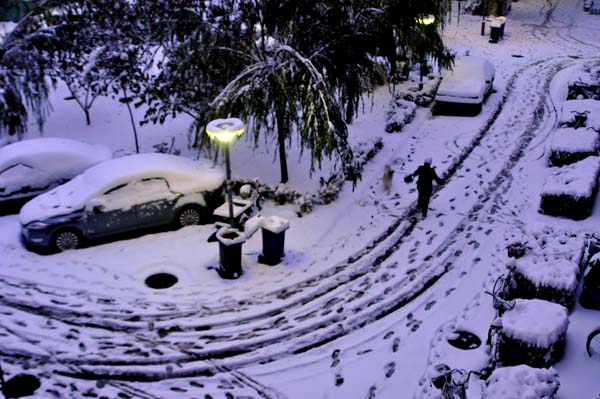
pixel 534 321
pixel 576 180
pixel 230 236
pixel 559 273
pixel 575 140
pixel 275 224
pixel 522 381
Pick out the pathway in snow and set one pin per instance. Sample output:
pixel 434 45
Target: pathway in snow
pixel 388 290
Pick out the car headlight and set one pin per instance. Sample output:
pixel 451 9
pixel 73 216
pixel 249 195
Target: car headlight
pixel 37 225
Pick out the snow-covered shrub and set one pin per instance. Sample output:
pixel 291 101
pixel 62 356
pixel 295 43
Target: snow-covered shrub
pixel 533 333
pixel 329 189
pixel 423 97
pixel 400 113
pixel 304 205
pixel 522 382
pixel 570 145
pixel 363 153
pixel 475 7
pixel 570 191
pixel 553 280
pixel 585 82
pixel 588 110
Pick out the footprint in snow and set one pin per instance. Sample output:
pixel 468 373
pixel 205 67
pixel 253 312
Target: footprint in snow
pixel 339 380
pixel 390 368
pixel 396 345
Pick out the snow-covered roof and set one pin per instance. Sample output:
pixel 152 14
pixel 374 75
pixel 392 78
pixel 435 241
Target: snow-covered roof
pixel 577 179
pixel 467 78
pixel 36 163
pixel 557 273
pixel 184 175
pixel 575 140
pixel 522 382
pixel 534 321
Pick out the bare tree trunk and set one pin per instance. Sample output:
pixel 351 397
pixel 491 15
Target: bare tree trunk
pixel 282 130
pixel 137 146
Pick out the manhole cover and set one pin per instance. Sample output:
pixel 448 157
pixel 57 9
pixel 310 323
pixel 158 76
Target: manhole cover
pixel 464 340
pixel 20 385
pixel 161 281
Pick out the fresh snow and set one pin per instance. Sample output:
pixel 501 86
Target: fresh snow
pixel 183 175
pixel 364 300
pixel 577 180
pixel 522 382
pixel 39 162
pixel 557 273
pixel 571 140
pixel 535 322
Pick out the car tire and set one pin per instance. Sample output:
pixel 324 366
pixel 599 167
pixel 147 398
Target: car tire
pixel 189 216
pixel 66 239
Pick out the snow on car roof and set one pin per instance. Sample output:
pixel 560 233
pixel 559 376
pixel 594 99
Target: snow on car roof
pixel 183 175
pixel 466 72
pixel 36 152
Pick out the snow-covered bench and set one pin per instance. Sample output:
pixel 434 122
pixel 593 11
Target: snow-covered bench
pixel 521 382
pixel 533 333
pixel 570 145
pixel 570 191
pixel 588 108
pixel 554 280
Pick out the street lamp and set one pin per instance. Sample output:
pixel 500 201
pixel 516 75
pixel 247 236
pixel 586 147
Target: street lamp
pixel 424 21
pixel 225 131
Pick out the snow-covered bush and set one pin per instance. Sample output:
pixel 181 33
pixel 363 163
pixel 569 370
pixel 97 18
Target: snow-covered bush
pixel 522 382
pixel 570 145
pixel 587 110
pixel 475 7
pixel 400 113
pixel 329 189
pixel 533 333
pixel 585 82
pixel 423 97
pixel 554 280
pixel 570 191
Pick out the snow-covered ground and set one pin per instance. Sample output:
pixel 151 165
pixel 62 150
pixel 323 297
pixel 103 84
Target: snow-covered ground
pixel 366 295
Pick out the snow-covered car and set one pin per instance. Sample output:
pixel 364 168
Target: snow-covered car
pixel 466 86
pixel 31 167
pixel 123 194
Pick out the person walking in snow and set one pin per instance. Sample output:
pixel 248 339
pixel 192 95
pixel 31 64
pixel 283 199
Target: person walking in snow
pixel 426 175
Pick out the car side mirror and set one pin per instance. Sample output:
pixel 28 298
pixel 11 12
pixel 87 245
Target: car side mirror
pixel 94 206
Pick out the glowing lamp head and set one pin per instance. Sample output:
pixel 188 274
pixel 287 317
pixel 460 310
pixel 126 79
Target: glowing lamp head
pixel 426 20
pixel 225 130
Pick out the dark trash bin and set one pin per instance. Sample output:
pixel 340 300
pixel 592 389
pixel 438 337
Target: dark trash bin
pixel 273 238
pixel 230 252
pixel 495 33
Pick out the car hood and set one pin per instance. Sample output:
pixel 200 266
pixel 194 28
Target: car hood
pixel 60 201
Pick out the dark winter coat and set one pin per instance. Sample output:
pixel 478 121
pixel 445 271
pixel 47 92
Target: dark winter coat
pixel 426 175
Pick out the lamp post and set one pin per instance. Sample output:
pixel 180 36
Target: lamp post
pixel 483 16
pixel 225 131
pixel 424 21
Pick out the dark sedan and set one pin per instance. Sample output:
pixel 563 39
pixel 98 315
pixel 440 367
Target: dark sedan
pixel 124 194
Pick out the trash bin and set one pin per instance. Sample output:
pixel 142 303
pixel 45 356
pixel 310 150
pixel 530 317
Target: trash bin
pixel 273 237
pixel 495 32
pixel 230 252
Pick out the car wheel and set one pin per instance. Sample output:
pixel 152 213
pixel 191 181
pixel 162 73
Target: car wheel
pixel 65 240
pixel 188 216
